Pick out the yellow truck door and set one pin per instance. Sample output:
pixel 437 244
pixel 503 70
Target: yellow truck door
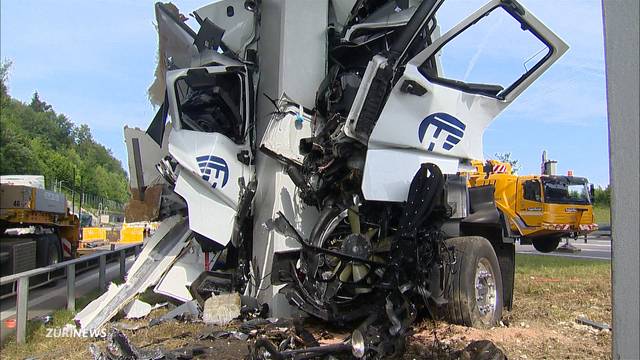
pixel 529 203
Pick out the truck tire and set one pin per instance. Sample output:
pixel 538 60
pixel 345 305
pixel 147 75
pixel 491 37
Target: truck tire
pixel 546 244
pixel 475 292
pixel 53 254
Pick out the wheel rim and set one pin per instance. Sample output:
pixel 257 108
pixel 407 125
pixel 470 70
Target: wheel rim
pixel 485 289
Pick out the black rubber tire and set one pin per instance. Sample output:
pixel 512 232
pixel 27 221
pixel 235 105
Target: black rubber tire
pixel 546 244
pixel 462 308
pixel 53 254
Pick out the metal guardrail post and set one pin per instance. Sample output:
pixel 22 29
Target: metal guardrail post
pixel 123 262
pixel 71 287
pixel 102 278
pixel 21 309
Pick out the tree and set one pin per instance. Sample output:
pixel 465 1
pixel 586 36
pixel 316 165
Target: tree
pixel 506 157
pixel 34 140
pixel 39 105
pixel 4 76
pixel 602 196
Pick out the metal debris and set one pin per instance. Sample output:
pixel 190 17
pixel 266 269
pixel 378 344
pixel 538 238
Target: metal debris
pixel 120 348
pixel 138 309
pixel 186 311
pixel 154 260
pixel 223 334
pixel 595 324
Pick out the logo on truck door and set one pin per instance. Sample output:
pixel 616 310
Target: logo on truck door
pixel 452 127
pixel 214 170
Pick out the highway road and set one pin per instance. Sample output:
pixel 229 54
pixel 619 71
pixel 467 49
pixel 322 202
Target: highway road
pixel 597 248
pixel 46 300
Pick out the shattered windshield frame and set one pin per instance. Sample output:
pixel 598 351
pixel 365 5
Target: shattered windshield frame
pixel 206 104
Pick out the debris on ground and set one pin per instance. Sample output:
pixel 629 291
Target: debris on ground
pixel 221 309
pixel 138 309
pixel 595 324
pixel 119 348
pixel 187 311
pixel 157 256
pixel 482 350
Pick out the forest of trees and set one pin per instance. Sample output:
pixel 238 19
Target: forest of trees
pixel 35 140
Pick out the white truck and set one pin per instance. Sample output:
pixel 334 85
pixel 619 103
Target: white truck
pixel 379 156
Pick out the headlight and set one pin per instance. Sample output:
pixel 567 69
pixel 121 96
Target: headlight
pixel 357 344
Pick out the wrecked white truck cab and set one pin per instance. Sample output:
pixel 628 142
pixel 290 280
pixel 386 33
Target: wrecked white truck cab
pixel 398 116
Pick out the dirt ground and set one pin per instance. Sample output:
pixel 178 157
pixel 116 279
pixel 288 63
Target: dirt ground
pixel 550 294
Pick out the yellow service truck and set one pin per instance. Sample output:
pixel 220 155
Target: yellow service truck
pixel 36 227
pixel 538 209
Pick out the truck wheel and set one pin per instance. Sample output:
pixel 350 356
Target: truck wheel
pixel 547 244
pixel 53 256
pixel 475 293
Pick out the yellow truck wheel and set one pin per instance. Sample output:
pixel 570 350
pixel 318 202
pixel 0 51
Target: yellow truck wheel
pixel 546 244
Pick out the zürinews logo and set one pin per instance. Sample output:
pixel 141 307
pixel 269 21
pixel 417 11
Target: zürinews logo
pixel 214 170
pixel 453 128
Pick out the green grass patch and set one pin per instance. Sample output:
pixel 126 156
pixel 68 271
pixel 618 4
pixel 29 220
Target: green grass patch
pixel 553 289
pixel 602 214
pixel 37 341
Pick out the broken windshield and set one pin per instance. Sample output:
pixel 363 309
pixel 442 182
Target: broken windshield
pixel 211 103
pixel 565 190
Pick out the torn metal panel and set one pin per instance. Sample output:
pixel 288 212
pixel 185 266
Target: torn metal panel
pixel 175 283
pixel 145 181
pixel 175 42
pixel 237 21
pixel 156 257
pixel 202 203
pixel 286 128
pixel 384 19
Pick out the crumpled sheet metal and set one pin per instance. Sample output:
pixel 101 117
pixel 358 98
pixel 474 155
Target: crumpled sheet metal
pixel 154 260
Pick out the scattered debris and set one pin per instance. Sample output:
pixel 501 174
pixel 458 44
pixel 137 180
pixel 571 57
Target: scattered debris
pixel 595 324
pixel 176 281
pixel 119 348
pixel 221 309
pixel 139 309
pixel 186 311
pixel 222 334
pixel 44 319
pixel 154 260
pixel 482 350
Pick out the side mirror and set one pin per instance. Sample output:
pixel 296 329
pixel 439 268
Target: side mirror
pixel 592 191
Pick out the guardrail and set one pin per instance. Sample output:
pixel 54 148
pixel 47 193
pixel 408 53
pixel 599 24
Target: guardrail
pixel 22 293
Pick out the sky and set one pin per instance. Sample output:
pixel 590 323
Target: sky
pixel 94 60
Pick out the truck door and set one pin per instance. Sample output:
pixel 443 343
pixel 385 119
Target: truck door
pixel 530 207
pixel 438 113
pixel 210 108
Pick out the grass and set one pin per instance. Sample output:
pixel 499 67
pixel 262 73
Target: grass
pixel 37 340
pixel 556 289
pixel 602 214
pixel 550 293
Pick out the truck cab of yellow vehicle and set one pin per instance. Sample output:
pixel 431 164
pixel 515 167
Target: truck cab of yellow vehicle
pixel 539 209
